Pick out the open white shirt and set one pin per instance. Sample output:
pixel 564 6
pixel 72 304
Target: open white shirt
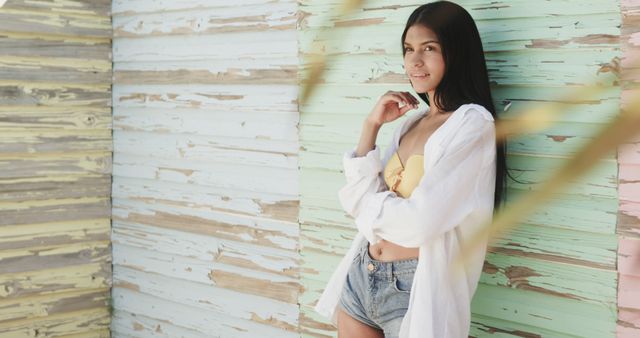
pixel 454 197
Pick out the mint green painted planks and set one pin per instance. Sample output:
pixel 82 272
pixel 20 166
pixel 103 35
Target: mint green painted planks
pixel 564 315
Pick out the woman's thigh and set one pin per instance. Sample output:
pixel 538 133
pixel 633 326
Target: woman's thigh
pixel 349 327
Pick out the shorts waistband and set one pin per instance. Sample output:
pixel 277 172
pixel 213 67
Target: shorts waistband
pixel 386 269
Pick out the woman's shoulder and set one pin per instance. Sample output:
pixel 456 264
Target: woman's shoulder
pixel 474 110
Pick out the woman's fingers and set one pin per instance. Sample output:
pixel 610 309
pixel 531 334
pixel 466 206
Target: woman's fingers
pixel 405 109
pixel 411 99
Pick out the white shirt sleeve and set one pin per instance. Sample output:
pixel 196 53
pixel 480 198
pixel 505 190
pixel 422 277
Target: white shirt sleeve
pixel 445 195
pixel 363 176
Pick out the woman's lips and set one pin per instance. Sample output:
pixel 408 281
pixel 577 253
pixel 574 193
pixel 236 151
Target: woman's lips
pixel 419 76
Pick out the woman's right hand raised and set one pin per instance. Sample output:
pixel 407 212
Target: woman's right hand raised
pixel 388 107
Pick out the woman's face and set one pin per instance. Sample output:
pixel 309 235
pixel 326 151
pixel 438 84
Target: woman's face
pixel 423 62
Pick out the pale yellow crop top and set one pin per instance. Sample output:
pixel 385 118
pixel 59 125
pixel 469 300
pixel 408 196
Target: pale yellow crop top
pixel 402 180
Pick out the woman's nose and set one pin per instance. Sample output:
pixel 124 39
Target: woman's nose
pixel 416 62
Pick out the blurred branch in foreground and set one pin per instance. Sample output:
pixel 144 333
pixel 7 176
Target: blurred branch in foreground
pixel 318 62
pixel 618 130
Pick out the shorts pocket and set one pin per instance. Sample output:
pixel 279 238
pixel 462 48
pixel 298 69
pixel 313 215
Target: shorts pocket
pixel 402 282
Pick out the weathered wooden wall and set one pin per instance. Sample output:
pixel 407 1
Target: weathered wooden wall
pixel 208 211
pixel 555 274
pixel 55 168
pixel 205 178
pixel 628 183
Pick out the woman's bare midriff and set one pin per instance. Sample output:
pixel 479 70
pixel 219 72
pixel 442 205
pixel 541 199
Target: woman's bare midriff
pixel 386 251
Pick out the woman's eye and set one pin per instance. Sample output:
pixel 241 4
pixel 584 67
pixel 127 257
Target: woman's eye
pixel 428 48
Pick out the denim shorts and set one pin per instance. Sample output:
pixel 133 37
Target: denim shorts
pixel 376 293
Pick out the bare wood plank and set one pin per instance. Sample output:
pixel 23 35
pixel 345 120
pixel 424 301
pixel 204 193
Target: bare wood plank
pixel 266 178
pixel 273 98
pixel 41 211
pixel 260 126
pixel 64 187
pixel 239 18
pixel 37 307
pixel 254 204
pixel 48 141
pixel 43 94
pixel 207 248
pixel 52 164
pixel 163 311
pixel 124 7
pixel 245 45
pixel 49 234
pixel 56 280
pixel 17 45
pixel 281 75
pixel 36 69
pixel 41 258
pixel 210 299
pixel 82 7
pixel 264 232
pixel 60 118
pixel 133 325
pixel 14 20
pixel 97 319
pixel 258 283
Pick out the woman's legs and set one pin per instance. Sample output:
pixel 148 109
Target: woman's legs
pixel 349 327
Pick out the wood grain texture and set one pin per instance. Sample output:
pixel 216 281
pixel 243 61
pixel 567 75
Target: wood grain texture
pixel 55 168
pixel 205 169
pixel 555 274
pixel 628 225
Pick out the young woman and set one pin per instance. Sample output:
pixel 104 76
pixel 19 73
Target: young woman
pixel 440 179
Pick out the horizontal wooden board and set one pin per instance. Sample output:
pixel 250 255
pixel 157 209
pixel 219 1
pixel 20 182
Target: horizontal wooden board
pixel 54 256
pixel 191 318
pixel 541 33
pixel 250 204
pixel 60 118
pixel 52 187
pixel 220 224
pixel 50 49
pixel 42 306
pixel 206 248
pixel 48 22
pixel 229 98
pixel 79 7
pixel 220 20
pixel 88 323
pixel 222 275
pixel 124 7
pixel 267 178
pixel 188 122
pixel 318 12
pixel 206 298
pixel 43 69
pixel 47 281
pixel 54 164
pixel 16 93
pixel 53 210
pixel 570 317
pixel 55 141
pixel 242 45
pixel 132 325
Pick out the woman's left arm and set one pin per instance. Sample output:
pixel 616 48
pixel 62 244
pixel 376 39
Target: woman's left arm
pixel 444 196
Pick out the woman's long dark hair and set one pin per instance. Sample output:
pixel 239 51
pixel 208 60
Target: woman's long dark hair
pixel 465 77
